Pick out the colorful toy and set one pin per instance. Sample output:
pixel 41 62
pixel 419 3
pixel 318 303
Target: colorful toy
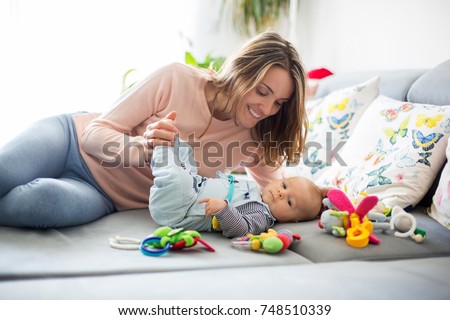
pixel 405 225
pixel 349 221
pixel 270 241
pixel 161 241
pixel 166 238
pixel 380 207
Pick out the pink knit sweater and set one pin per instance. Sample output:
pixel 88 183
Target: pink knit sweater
pixel 108 142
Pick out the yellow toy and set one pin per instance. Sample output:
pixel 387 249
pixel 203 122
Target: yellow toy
pixel 270 241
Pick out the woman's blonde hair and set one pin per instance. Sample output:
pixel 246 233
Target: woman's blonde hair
pixel 282 135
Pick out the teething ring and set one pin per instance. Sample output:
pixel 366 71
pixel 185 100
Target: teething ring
pixel 410 232
pixel 148 250
pixel 124 243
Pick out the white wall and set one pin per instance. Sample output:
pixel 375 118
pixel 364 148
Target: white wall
pixel 212 31
pixel 60 56
pixel 348 35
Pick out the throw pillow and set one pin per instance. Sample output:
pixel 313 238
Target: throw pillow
pixel 395 152
pixel 332 120
pixel 440 208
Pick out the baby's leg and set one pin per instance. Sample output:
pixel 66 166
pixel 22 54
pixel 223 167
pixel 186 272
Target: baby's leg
pixel 185 156
pixel 172 192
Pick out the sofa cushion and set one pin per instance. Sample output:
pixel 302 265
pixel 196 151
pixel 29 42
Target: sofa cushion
pixel 319 246
pixel 395 153
pixel 84 251
pixel 332 120
pixel 437 82
pixel 440 208
pixel 432 87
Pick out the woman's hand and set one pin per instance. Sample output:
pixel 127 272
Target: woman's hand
pixel 162 132
pixel 213 205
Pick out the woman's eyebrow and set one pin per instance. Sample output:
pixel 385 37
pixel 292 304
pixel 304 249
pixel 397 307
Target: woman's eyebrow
pixel 270 89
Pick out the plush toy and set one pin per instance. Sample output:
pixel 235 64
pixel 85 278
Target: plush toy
pixel 378 215
pixel 403 223
pixel 380 207
pixel 349 222
pixel 270 241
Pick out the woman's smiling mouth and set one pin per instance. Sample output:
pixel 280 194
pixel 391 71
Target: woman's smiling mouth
pixel 253 113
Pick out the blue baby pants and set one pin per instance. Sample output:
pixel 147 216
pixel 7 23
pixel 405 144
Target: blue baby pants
pixel 44 181
pixel 175 188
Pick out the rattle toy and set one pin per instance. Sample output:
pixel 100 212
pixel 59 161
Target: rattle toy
pixel 166 238
pixel 405 225
pixel 161 241
pixel 270 241
pixel 350 222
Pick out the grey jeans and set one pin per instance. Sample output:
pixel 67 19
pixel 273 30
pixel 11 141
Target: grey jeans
pixel 44 181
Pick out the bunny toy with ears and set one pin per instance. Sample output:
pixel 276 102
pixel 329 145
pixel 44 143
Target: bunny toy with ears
pixel 349 221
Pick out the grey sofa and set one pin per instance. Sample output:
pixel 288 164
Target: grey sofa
pixel 78 263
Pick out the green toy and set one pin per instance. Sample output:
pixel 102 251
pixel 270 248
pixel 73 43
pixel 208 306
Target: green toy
pixel 166 238
pixel 270 241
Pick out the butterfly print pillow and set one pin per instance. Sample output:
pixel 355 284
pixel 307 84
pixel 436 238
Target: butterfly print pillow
pixel 440 208
pixel 395 152
pixel 332 120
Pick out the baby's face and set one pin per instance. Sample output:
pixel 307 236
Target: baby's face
pixel 293 199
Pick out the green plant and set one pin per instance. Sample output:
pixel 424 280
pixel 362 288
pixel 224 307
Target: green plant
pixel 214 63
pixel 125 86
pixel 257 14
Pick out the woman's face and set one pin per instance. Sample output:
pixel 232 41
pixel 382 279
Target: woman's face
pixel 266 98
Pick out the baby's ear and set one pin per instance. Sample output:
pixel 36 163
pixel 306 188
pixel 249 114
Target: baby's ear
pixel 324 191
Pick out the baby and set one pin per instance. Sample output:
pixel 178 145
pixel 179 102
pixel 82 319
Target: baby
pixel 182 198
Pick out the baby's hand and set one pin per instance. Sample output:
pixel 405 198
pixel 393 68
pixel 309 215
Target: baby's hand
pixel 213 205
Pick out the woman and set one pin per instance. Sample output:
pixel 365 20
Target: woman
pixel 75 168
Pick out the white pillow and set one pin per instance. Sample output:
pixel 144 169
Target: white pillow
pixel 395 152
pixel 440 208
pixel 332 120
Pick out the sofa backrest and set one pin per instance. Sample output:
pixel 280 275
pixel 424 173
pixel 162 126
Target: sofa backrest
pixel 428 86
pixel 393 83
pixel 433 87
